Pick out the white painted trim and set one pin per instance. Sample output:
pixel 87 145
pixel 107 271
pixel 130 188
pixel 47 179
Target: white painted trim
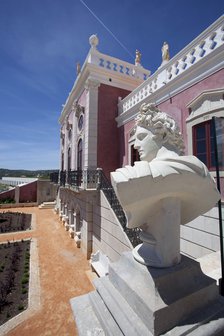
pixel 160 86
pixel 204 111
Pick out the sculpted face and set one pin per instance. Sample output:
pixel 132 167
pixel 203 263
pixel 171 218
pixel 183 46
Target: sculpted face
pixel 146 144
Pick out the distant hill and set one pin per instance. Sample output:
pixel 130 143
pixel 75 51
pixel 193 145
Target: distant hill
pixel 25 173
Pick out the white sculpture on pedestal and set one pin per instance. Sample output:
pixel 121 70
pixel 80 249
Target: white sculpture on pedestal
pixel 163 190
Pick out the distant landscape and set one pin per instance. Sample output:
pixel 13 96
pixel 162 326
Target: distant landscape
pixel 25 173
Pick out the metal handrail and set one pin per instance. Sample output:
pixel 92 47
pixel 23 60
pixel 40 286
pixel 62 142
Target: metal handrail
pixel 96 179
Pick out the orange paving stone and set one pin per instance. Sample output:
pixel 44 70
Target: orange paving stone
pixel 63 274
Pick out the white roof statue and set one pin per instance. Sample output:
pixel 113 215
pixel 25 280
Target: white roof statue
pixel 163 190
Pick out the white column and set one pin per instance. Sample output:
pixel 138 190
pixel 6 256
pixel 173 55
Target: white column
pixel 74 144
pixel 91 121
pixel 66 149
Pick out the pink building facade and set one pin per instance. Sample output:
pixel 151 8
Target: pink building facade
pixel 97 123
pixel 190 88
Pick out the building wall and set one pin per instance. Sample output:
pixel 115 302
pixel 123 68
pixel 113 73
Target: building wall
pixel 37 191
pixel 108 133
pixel 7 194
pixel 99 227
pixel 176 106
pixel 46 191
pixel 28 192
pixel 108 235
pixel 201 236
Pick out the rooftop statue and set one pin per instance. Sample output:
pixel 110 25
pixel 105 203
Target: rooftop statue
pixel 163 190
pixel 137 57
pixel 165 52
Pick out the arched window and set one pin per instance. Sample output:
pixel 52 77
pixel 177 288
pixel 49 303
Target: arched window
pixel 203 145
pixel 79 155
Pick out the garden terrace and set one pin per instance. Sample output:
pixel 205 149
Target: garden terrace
pixel 14 278
pixel 14 221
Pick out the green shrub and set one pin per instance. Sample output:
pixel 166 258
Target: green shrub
pixel 20 307
pixel 24 290
pixel 25 279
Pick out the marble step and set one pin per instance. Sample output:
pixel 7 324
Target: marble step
pixel 118 307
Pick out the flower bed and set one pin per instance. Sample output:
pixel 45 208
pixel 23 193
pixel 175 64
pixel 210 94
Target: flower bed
pixel 14 221
pixel 14 278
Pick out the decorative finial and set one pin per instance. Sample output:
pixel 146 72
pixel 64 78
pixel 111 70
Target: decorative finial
pixel 165 52
pixel 93 41
pixel 137 57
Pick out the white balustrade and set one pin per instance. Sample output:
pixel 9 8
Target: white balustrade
pixel 202 46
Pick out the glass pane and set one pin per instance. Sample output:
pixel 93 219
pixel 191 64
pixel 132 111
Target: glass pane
pixel 203 158
pixel 221 157
pixel 212 158
pixel 201 146
pixel 200 132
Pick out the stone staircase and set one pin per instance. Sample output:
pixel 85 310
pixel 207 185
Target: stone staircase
pixel 133 300
pixel 47 205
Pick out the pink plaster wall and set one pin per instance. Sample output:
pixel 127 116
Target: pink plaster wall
pixel 176 107
pixel 108 133
pixel 7 194
pixel 28 192
pixel 179 101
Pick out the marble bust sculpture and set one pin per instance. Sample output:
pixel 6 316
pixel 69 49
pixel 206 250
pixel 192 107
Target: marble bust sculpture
pixel 163 190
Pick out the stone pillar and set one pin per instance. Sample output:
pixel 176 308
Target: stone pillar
pixel 17 194
pixel 87 229
pixel 66 149
pixel 74 143
pixel 91 122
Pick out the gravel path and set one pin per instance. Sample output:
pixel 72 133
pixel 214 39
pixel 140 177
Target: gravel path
pixel 59 272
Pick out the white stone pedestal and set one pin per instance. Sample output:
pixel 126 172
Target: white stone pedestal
pixel 138 300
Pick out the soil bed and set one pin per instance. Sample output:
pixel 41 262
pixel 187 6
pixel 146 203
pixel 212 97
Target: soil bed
pixel 14 278
pixel 14 221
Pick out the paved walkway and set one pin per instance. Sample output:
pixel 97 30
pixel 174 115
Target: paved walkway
pixel 64 273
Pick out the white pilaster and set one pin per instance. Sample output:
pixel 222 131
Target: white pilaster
pixel 91 121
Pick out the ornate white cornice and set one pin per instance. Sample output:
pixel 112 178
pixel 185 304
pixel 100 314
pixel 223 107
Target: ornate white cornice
pixel 107 70
pixel 92 84
pixel 201 58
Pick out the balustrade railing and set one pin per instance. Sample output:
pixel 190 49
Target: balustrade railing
pixel 207 42
pixel 96 179
pixel 108 190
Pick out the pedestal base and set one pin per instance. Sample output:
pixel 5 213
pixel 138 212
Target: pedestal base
pixel 138 300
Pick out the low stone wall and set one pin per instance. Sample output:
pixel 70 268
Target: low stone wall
pixel 38 191
pixel 28 192
pixel 7 194
pixel 201 236
pixel 108 234
pixel 18 205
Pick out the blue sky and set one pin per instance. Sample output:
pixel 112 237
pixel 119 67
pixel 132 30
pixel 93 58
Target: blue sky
pixel 41 41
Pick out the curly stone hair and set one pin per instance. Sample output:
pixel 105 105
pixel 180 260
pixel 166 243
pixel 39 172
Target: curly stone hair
pixel 162 125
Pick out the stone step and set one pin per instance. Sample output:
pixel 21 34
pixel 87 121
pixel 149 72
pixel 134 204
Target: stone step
pixel 118 307
pixel 104 316
pixel 47 205
pixel 85 317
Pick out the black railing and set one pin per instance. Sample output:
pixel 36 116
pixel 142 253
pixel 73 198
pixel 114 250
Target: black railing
pixel 95 179
pixel 54 177
pixel 74 178
pixel 62 178
pixel 108 190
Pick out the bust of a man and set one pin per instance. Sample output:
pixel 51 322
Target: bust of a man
pixel 163 190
